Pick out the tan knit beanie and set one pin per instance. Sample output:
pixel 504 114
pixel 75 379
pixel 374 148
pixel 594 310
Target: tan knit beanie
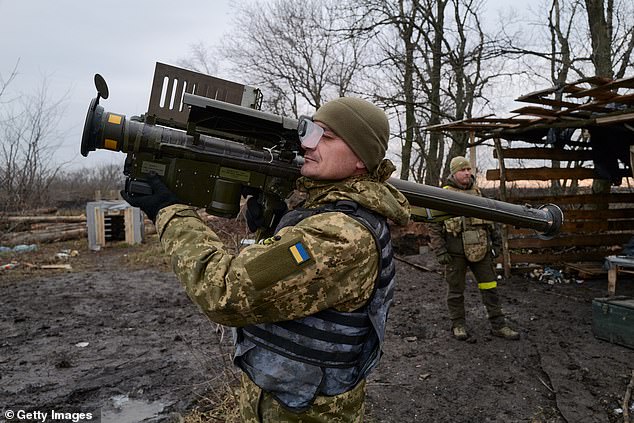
pixel 458 163
pixel 361 124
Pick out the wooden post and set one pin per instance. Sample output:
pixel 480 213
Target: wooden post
pixel 472 151
pixel 100 227
pixel 612 275
pixel 506 254
pixel 128 216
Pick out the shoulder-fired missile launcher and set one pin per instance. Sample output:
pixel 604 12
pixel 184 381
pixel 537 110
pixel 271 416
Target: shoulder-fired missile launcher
pixel 209 142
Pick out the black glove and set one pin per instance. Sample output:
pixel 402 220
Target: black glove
pixel 151 203
pixel 255 214
pixel 444 258
pixel 495 251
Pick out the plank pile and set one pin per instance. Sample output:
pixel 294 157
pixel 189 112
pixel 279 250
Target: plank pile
pixel 40 227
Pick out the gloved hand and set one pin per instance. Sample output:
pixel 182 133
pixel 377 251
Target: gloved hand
pixel 151 203
pixel 255 214
pixel 495 250
pixel 444 258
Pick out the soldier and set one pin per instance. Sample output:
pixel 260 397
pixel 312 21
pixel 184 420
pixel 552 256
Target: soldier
pixel 310 303
pixel 466 242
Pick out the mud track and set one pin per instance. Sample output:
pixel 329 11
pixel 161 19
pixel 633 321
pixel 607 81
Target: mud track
pixel 126 342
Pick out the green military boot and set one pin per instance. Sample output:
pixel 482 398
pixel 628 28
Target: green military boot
pixel 459 332
pixel 506 333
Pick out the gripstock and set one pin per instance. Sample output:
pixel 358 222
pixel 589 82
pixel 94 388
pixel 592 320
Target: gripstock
pixel 211 151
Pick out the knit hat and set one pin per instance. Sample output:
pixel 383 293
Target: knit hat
pixel 361 124
pixel 458 163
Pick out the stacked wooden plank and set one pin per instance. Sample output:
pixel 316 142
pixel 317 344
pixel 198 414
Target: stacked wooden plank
pixel 596 225
pixel 40 228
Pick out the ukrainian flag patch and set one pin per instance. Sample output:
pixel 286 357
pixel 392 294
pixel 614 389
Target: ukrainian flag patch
pixel 299 253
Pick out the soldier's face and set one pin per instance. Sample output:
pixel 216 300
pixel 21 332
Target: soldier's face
pixel 463 177
pixel 331 159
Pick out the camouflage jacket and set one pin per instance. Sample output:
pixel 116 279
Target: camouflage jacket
pixel 267 282
pixel 441 241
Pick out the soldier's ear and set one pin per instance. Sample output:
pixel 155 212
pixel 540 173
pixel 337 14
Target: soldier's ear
pixel 360 165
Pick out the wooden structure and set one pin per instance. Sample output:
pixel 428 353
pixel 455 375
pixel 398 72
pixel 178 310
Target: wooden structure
pixel 616 265
pixel 110 221
pixel 600 113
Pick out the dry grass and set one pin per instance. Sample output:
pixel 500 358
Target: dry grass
pixel 546 415
pixel 219 406
pixel 147 255
pixel 219 403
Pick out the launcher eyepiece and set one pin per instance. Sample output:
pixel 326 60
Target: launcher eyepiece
pixel 89 136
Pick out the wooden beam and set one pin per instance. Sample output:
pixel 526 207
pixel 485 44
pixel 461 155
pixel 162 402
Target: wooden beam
pixel 536 111
pixel 548 174
pixel 592 80
pixel 545 154
pixel 600 93
pixel 591 240
pixel 44 236
pixel 583 226
pixel 39 219
pixel 574 199
pixel 626 117
pixel 541 174
pixel 624 213
pixel 100 227
pixel 128 216
pixel 607 87
pixel 553 258
pixel 548 102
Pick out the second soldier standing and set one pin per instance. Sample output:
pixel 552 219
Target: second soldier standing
pixel 461 243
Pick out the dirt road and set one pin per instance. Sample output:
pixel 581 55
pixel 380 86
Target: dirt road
pixel 557 372
pixel 122 339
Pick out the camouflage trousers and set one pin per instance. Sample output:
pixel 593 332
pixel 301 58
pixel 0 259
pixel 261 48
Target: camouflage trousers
pixel 484 272
pixel 257 406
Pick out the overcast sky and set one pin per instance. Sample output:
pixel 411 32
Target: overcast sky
pixel 66 42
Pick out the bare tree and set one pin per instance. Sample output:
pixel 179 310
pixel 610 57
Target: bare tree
pixel 437 59
pixel 394 28
pixel 611 28
pixel 559 27
pixel 608 24
pixel 5 82
pixel 293 50
pixel 435 21
pixel 472 64
pixel 72 189
pixel 200 59
pixel 27 138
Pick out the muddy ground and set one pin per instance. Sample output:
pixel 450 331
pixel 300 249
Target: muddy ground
pixel 117 336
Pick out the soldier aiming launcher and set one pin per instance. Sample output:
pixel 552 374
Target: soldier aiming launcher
pixel 209 142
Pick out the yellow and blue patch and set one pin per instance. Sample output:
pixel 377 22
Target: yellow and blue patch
pixel 279 260
pixel 299 253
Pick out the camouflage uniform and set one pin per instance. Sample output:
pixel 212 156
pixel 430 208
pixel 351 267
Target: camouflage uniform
pixel 265 284
pixel 469 242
